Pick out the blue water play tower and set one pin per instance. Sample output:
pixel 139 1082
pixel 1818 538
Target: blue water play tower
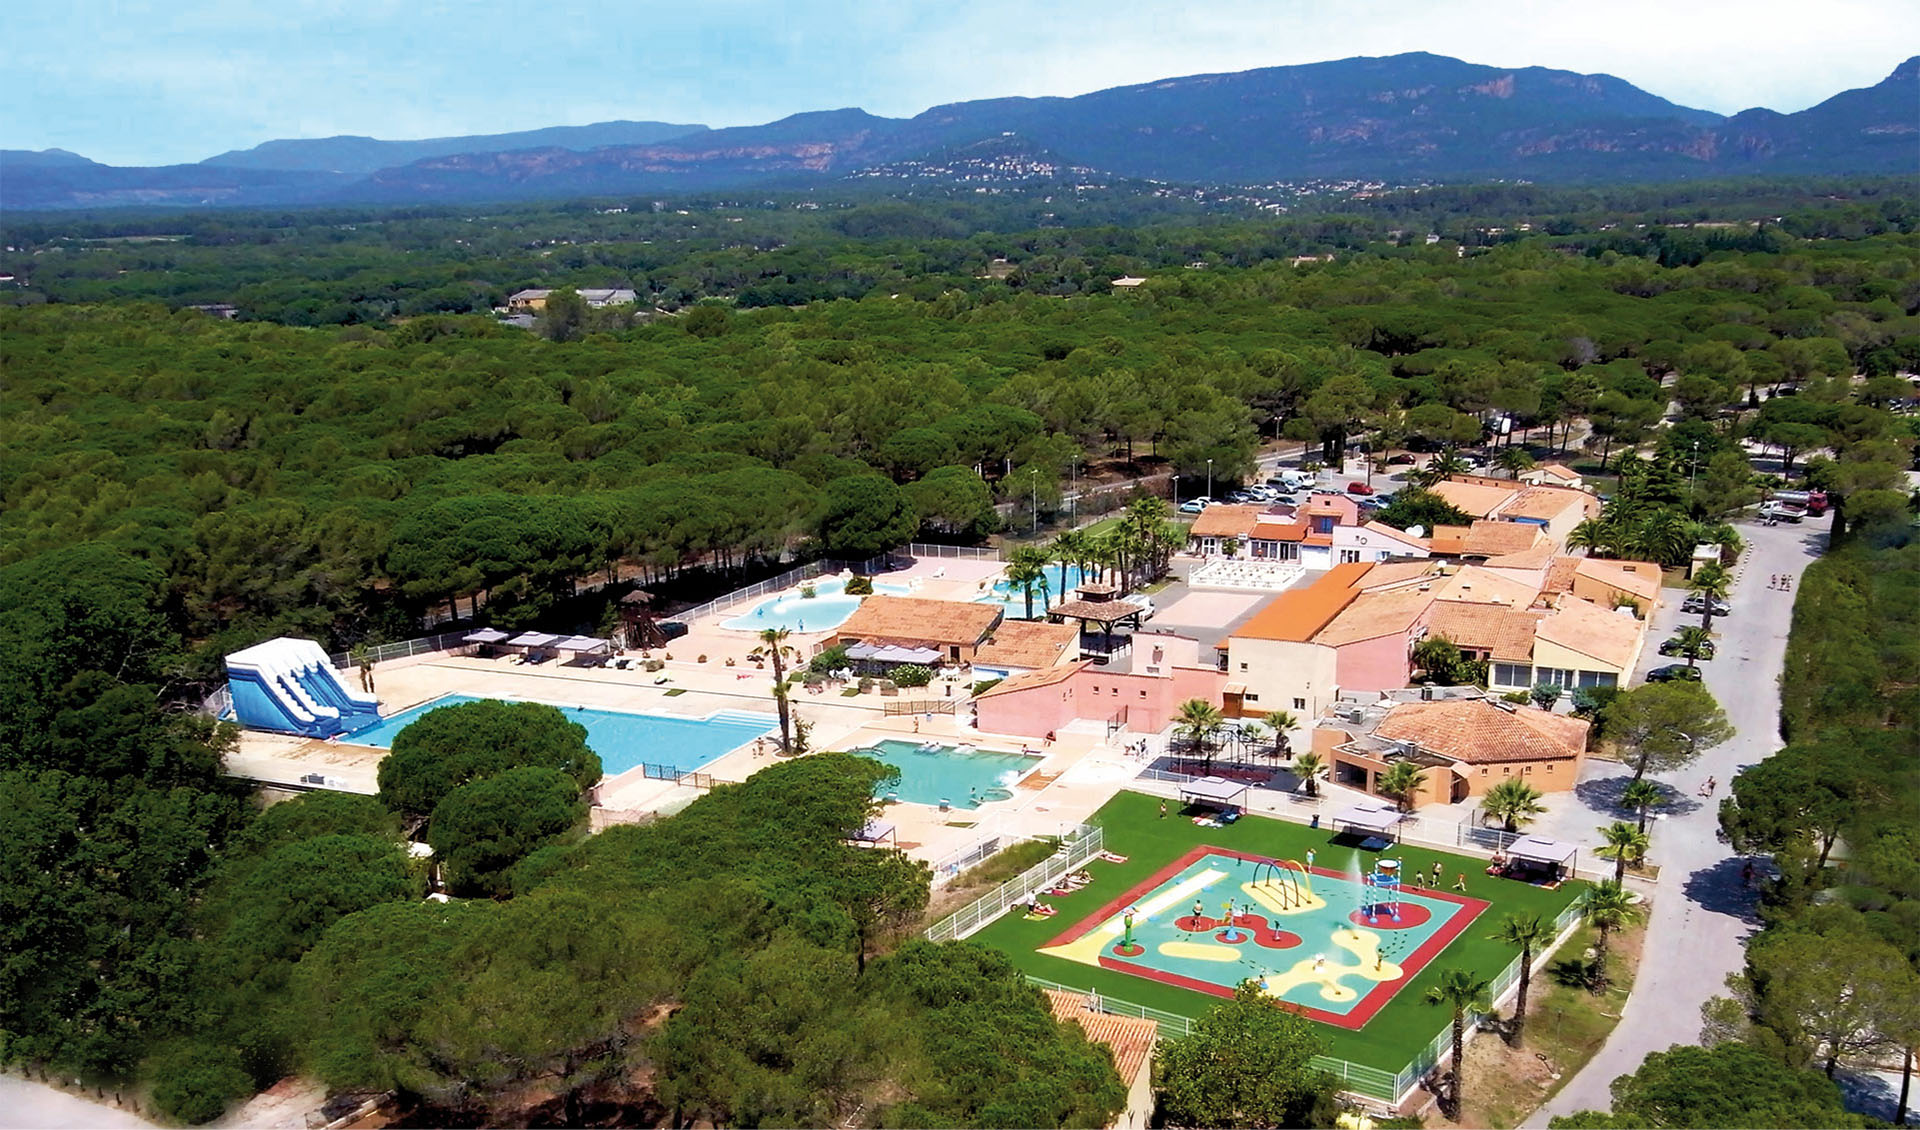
pixel 1383 890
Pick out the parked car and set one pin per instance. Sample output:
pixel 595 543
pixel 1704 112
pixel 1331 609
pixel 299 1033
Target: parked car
pixel 1144 602
pixel 1358 487
pixel 1400 460
pixel 1372 504
pixel 1697 604
pixel 1674 673
pixel 1195 505
pixel 1674 647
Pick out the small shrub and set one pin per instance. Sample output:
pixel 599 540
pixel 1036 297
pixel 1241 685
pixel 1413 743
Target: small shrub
pixel 829 661
pixel 984 685
pixel 866 685
pixel 911 675
pixel 1544 695
pixel 859 586
pixel 1518 698
pixel 702 659
pixel 808 592
pixel 197 1083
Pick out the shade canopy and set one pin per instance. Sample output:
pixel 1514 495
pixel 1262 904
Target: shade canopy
pixel 486 635
pixel 1368 817
pixel 581 643
pixel 874 832
pixel 1213 790
pixel 1539 849
pixel 889 653
pixel 533 639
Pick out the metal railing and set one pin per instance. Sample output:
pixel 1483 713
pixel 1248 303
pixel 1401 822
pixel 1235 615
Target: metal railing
pixel 1357 1078
pixel 948 867
pixel 1077 847
pixel 921 706
pixel 380 653
pixel 930 549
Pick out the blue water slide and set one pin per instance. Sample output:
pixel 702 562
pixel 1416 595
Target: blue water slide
pixel 289 686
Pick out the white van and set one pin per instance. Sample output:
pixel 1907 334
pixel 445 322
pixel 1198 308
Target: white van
pixel 1143 602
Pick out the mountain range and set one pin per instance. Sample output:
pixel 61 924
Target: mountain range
pixel 1402 118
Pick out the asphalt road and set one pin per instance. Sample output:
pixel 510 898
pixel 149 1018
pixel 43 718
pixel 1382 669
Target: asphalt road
pixel 1702 912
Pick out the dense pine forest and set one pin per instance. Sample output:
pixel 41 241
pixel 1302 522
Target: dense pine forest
pixel 367 444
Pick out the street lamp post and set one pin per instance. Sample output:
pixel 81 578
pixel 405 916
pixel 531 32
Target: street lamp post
pixel 1033 479
pixel 1693 464
pixel 1209 478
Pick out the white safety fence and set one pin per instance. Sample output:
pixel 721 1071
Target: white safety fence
pixel 1077 847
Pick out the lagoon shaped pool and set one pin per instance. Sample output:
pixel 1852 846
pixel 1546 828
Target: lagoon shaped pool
pixel 824 611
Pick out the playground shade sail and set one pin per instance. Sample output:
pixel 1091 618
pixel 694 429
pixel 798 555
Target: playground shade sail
pixel 1368 817
pixel 1213 790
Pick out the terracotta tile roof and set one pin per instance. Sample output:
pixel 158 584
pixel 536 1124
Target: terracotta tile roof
pixel 1447 541
pixel 1559 471
pixel 907 619
pixel 1505 633
pixel 1374 615
pixel 1477 499
pixel 1610 637
pixel 1401 536
pixel 1546 503
pixel 1641 578
pixel 1479 732
pixel 1297 615
pixel 1280 531
pixel 1130 1038
pixel 1490 538
pixel 1027 643
pixel 1225 521
pixel 1539 557
pixel 1475 584
pixel 1097 611
pixel 1559 575
pixel 1032 680
pixel 1389 573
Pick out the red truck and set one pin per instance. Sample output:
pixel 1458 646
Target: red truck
pixel 1814 502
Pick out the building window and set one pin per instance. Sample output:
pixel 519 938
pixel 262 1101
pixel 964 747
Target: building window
pixel 1483 770
pixel 1250 697
pixel 1349 556
pixel 1299 704
pixel 1243 667
pixel 1525 770
pixel 1143 694
pixel 1512 675
pixel 1598 679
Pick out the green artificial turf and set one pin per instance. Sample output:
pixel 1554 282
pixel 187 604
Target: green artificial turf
pixel 1134 829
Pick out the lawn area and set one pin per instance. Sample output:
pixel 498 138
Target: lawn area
pixel 1133 829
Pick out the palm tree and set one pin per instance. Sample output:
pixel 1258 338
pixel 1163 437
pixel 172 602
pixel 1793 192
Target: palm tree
pixel 1641 795
pixel 774 646
pixel 1026 571
pixel 1461 991
pixel 1595 535
pixel 1712 582
pixel 1514 801
pixel 1694 641
pixel 1606 907
pixel 1199 720
pixel 1625 844
pixel 1310 767
pixel 1401 780
pixel 1447 464
pixel 1514 460
pixel 1282 723
pixel 1070 548
pixel 1529 933
pixel 362 657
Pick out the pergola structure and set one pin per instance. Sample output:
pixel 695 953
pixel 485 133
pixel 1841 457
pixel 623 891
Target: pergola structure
pixel 1375 821
pixel 1216 792
pixel 1552 856
pixel 1098 603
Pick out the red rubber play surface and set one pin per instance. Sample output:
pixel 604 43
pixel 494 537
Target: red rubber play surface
pixel 1303 934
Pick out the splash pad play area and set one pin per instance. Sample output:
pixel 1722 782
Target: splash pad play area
pixel 1336 946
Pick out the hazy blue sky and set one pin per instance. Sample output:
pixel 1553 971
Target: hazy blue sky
pixel 151 83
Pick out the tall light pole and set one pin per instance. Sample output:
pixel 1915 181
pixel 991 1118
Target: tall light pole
pixel 1693 464
pixel 1209 479
pixel 1033 478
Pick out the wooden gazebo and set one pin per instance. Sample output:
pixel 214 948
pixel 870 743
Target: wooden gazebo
pixel 643 630
pixel 1098 603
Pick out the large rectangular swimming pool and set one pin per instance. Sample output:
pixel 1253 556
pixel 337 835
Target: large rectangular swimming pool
pixel 622 739
pixel 957 776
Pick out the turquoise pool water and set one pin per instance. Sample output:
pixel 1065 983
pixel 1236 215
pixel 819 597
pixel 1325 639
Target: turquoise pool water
pixel 828 608
pixel 622 739
pixel 932 773
pixel 1014 602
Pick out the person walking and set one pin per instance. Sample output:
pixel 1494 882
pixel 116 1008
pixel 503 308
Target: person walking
pixel 1163 810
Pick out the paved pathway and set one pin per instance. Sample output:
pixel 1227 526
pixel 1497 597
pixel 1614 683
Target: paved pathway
pixel 25 1103
pixel 1702 913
